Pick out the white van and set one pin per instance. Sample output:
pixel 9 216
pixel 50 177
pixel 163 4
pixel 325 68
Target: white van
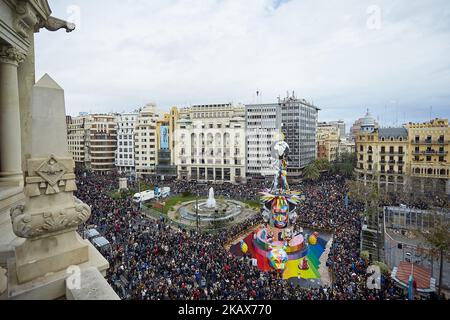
pixel 144 196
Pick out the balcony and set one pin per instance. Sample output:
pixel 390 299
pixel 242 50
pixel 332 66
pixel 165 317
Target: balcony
pixel 392 153
pixel 430 152
pixel 427 142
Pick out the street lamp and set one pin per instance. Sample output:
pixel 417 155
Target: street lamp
pixel 196 212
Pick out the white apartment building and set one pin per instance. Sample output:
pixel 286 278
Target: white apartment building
pixel 210 143
pixel 126 123
pixel 145 146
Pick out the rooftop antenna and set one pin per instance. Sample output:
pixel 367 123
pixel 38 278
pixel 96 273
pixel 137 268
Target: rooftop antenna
pixel 431 111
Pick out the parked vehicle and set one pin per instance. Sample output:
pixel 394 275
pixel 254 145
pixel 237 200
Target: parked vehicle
pixel 144 196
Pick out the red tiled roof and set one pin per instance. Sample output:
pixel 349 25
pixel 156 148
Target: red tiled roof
pixel 421 275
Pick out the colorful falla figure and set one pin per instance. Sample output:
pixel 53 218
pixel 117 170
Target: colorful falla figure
pixel 304 265
pixel 278 258
pixel 279 203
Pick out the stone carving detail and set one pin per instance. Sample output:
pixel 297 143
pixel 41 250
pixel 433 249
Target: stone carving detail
pixel 50 174
pixel 54 24
pixel 26 19
pixel 10 54
pixel 51 171
pixel 33 225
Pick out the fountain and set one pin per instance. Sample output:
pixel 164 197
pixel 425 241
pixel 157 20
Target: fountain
pixel 211 203
pixel 210 210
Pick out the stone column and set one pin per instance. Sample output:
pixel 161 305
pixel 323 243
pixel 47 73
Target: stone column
pixel 10 133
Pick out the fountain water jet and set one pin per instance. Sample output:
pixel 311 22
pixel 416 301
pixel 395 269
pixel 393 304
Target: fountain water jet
pixel 211 203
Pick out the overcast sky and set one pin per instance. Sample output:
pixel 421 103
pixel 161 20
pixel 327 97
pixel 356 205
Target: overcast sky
pixel 390 56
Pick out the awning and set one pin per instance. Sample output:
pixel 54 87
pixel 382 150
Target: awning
pixel 92 233
pixel 422 276
pixel 100 241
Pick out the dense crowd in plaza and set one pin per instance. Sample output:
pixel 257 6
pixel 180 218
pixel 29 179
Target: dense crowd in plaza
pixel 151 260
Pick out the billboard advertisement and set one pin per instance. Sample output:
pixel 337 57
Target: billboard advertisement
pixel 164 137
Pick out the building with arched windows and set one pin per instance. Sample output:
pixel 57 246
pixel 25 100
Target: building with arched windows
pixel 413 158
pixel 430 163
pixel 210 143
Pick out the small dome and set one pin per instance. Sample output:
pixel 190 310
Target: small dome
pixel 368 120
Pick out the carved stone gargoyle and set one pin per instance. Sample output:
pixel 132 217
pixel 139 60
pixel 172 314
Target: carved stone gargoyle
pixel 54 24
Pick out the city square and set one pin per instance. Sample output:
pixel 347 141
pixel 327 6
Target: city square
pixel 116 184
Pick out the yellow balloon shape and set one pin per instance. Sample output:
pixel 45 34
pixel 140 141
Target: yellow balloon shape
pixel 312 240
pixel 244 248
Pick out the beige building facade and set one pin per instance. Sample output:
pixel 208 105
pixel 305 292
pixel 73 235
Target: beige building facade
pixel 429 145
pixel 412 159
pixel 210 143
pixel 76 138
pixel 145 144
pixel 327 139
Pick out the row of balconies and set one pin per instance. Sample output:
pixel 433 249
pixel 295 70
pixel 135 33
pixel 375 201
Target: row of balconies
pixel 427 141
pixel 430 152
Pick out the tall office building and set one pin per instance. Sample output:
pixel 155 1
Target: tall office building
pixel 296 118
pixel 126 122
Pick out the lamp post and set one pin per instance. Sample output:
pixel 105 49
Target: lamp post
pixel 196 212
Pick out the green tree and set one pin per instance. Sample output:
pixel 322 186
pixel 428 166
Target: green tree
pixel 322 164
pixel 437 238
pixel 344 165
pixel 311 172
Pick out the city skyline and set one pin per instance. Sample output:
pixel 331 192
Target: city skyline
pixel 391 57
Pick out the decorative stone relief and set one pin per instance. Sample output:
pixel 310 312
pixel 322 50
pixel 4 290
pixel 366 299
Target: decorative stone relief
pixel 11 55
pixel 49 177
pixel 26 19
pixel 33 225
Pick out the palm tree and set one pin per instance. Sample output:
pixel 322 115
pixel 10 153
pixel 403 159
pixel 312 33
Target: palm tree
pixel 311 172
pixel 438 240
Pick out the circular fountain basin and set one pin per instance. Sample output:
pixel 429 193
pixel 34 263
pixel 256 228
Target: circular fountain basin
pixel 223 210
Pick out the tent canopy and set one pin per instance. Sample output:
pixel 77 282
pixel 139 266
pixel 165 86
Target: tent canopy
pixel 100 241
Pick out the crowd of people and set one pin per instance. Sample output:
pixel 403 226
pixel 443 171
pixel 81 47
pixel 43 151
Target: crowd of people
pixel 149 259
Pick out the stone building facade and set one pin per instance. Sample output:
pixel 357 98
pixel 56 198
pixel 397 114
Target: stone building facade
pixel 76 137
pixel 327 139
pixel 411 159
pixel 37 177
pixel 210 143
pixel 429 145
